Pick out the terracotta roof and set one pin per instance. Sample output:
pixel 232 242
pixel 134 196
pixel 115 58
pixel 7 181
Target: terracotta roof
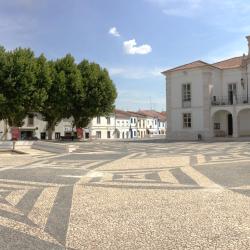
pixel 121 114
pixel 231 63
pixel 136 114
pixel 154 114
pixel 195 64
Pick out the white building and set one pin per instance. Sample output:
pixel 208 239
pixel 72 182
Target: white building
pixel 122 129
pixel 140 124
pixel 209 99
pixel 119 125
pixel 34 127
pixel 155 122
pixel 133 125
pixel 103 127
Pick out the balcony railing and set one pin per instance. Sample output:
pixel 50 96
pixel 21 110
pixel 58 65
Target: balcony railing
pixel 225 100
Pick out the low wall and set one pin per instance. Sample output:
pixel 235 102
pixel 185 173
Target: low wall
pixel 53 147
pixel 6 145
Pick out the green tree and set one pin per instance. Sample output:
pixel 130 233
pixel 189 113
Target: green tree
pixel 66 80
pixel 22 90
pixel 3 61
pixel 3 76
pixel 96 96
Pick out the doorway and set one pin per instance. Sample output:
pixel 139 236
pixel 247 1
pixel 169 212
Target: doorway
pixel 230 124
pixel 231 93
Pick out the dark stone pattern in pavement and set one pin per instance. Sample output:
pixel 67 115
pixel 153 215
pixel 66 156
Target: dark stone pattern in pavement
pixel 58 219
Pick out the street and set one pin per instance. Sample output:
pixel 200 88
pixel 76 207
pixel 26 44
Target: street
pixel 127 195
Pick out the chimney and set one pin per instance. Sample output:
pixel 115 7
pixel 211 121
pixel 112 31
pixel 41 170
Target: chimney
pixel 248 39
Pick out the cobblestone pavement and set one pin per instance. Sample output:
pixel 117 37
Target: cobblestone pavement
pixel 127 195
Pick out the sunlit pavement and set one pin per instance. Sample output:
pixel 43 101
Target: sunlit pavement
pixel 127 195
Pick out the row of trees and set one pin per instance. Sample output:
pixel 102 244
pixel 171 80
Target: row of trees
pixel 57 89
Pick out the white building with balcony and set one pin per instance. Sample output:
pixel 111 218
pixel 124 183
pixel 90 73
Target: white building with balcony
pixel 209 99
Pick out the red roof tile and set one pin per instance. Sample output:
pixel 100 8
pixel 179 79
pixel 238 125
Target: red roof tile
pixel 234 62
pixel 121 114
pixel 230 63
pixel 195 64
pixel 154 114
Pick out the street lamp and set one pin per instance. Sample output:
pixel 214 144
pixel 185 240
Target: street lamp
pixel 243 85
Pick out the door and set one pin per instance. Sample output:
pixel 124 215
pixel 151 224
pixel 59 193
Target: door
pixel 231 93
pixel 230 124
pixel 43 136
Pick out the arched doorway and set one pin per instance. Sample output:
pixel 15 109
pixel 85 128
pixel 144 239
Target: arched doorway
pixel 222 123
pixel 244 122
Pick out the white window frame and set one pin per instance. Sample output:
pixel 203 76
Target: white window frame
pixel 108 120
pixel 187 120
pixel 186 94
pixel 98 120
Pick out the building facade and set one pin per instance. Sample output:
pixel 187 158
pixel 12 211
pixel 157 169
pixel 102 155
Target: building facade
pixel 103 127
pixel 119 125
pixel 122 129
pixel 35 128
pixel 209 100
pixel 156 122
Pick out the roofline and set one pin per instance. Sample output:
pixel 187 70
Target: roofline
pixel 205 64
pixel 228 60
pixel 178 68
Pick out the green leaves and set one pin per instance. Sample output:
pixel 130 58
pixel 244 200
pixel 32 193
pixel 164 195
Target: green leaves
pixel 100 93
pixel 57 89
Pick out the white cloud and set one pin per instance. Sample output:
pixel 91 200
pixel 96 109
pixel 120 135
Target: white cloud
pixel 131 48
pixel 114 32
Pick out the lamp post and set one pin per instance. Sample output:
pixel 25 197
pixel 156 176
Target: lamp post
pixel 243 84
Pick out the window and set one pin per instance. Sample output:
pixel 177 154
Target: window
pixel 187 120
pixel 108 120
pixel 134 120
pixel 30 120
pixel 216 125
pixel 131 120
pixel 98 134
pixel 134 133
pixel 108 135
pixel 57 135
pixel 186 95
pixel 98 120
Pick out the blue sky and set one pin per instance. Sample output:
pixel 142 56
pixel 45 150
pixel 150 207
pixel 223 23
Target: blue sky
pixel 133 39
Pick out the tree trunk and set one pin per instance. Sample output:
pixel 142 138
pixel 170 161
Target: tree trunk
pixel 50 133
pixel 5 131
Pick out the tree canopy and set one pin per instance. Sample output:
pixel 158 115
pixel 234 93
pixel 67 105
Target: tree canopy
pixel 57 89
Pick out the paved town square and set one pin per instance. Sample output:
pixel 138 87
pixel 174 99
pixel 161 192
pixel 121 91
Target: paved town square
pixel 127 195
